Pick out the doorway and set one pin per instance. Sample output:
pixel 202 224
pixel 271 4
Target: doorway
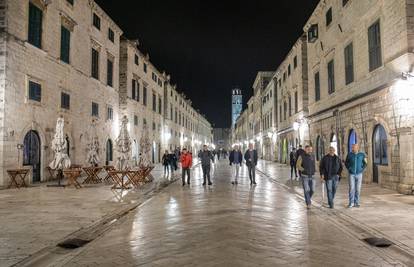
pixel 31 154
pixel 379 151
pixel 109 152
pixel 352 139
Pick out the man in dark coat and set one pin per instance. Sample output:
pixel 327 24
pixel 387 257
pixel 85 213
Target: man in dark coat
pixel 236 159
pixel 251 161
pixel 292 158
pixel 330 169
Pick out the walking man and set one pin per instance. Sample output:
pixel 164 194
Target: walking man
pixel 251 161
pixel 306 166
pixel 206 157
pixel 292 157
pixel 355 162
pixel 236 159
pixel 299 153
pixel 186 163
pixel 330 169
pixel 166 163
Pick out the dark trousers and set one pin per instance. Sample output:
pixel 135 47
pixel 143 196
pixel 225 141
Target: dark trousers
pixel 186 170
pixel 206 172
pixel 252 173
pixel 293 170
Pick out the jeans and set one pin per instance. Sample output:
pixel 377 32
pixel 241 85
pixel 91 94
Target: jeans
pixel 331 185
pixel 308 183
pixel 355 182
pixel 206 172
pixel 186 171
pixel 252 172
pixel 166 169
pixel 236 168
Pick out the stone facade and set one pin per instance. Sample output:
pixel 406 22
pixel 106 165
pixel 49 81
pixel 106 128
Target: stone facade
pixel 66 89
pixel 354 85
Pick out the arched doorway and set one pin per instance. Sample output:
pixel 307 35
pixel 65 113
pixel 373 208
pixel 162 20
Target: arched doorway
pixel 379 150
pixel 320 148
pixel 109 152
pixel 31 153
pixel 352 139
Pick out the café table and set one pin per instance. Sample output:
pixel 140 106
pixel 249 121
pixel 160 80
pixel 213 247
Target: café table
pixel 15 175
pixel 92 175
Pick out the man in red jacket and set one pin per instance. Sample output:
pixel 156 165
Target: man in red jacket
pixel 186 163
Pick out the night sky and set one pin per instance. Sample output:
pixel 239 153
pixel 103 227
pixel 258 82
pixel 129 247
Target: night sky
pixel 210 47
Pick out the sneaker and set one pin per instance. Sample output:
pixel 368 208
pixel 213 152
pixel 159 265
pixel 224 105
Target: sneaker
pixel 357 205
pixel 308 206
pixel 233 182
pixel 350 206
pixel 183 184
pixel 210 183
pixel 254 182
pixel 204 183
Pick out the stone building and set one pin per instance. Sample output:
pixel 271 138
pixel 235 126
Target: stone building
pixel 357 52
pixel 267 121
pixel 62 58
pixel 291 87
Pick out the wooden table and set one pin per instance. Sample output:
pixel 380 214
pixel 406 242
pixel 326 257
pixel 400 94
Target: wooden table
pixel 15 174
pixel 107 169
pixel 73 175
pixel 140 176
pixel 118 178
pixel 92 175
pixel 52 173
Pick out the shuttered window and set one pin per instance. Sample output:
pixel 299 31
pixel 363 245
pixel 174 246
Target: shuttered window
pixel 374 44
pixel 144 96
pixel 96 21
pixel 331 77
pixel 95 64
pixel 349 64
pixel 110 73
pixel 111 35
pixel 35 91
pixel 35 25
pixel 95 109
pixel 65 44
pixel 296 102
pixel 317 87
pixel 65 101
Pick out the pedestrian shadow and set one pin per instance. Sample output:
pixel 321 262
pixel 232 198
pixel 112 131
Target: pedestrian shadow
pixel 293 183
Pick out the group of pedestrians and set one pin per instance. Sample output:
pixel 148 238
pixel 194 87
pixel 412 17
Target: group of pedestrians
pixel 170 162
pixel 236 160
pixel 330 169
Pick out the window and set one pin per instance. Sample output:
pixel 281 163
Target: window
pixel 313 33
pixel 111 35
pixel 64 44
pixel 290 106
pixel 374 44
pixel 136 60
pixel 154 127
pixel 317 87
pixel 284 76
pixel 95 109
pixel 295 62
pixel 35 25
pixel 70 2
pixel 159 105
pixel 349 64
pixel 171 113
pixel 135 120
pixel 344 2
pixel 95 63
pixel 35 91
pixel 289 70
pixel 109 113
pixel 331 77
pixel 144 95
pixel 154 77
pixel 110 73
pixel 145 67
pixel 135 90
pixel 280 112
pixel 328 16
pixel 65 101
pixel 154 102
pixel 96 21
pixel 284 110
pixel 296 102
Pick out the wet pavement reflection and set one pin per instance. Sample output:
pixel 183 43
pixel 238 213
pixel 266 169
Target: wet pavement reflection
pixel 226 225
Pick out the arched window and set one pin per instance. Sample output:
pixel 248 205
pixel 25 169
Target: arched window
pixel 352 139
pixel 31 153
pixel 380 146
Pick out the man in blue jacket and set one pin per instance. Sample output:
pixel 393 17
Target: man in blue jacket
pixel 356 162
pixel 236 159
